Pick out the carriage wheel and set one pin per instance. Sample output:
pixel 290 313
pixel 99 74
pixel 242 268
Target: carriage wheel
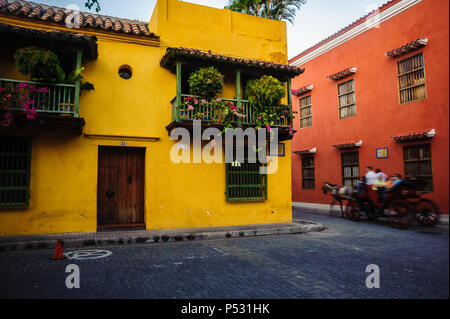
pixel 402 218
pixel 352 211
pixel 427 213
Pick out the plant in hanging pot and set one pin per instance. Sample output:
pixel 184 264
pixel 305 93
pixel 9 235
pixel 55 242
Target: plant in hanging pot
pixel 43 65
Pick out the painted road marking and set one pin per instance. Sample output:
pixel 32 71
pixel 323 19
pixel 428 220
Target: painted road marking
pixel 88 254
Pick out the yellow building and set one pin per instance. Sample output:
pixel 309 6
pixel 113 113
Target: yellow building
pixel 102 159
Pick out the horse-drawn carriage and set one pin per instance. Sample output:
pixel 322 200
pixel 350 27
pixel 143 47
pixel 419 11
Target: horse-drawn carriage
pixel 401 204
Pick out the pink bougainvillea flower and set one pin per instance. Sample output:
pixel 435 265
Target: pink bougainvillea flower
pixel 233 108
pixel 286 111
pixel 188 98
pixel 293 91
pixel 259 117
pixel 45 90
pixel 268 128
pixel 190 108
pixel 196 102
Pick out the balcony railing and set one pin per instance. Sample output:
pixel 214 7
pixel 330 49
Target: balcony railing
pixel 55 98
pixel 213 112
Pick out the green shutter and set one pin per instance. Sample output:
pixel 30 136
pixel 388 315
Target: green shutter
pixel 245 183
pixel 15 159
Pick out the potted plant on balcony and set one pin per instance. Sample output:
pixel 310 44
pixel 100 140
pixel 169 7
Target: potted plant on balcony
pixel 265 95
pixel 206 83
pixel 43 65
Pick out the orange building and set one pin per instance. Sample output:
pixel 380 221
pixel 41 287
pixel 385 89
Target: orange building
pixel 375 93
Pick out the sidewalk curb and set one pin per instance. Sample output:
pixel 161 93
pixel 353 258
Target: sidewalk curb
pixel 155 237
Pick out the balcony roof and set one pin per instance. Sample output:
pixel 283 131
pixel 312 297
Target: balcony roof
pixel 348 145
pixel 54 39
pixel 282 72
pixel 414 136
pixel 303 90
pixel 57 16
pixel 342 74
pixel 408 47
pixel 307 152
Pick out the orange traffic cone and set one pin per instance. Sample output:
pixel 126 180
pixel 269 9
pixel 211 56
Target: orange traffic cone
pixel 59 251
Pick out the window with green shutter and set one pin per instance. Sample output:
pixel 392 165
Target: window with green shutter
pixel 245 183
pixel 15 158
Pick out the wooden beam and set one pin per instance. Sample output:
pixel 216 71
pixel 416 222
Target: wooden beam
pixel 178 101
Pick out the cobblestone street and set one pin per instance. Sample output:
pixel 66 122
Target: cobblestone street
pixel 330 264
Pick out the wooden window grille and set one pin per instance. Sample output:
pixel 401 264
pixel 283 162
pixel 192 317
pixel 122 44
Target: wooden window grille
pixel 308 174
pixel 244 182
pixel 411 79
pixel 350 168
pixel 15 158
pixel 347 102
pixel 417 160
pixel 305 111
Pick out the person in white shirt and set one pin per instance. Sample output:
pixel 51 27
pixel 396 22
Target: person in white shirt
pixel 371 176
pixel 380 173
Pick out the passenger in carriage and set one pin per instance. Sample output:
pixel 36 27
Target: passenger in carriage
pixel 393 181
pixel 370 176
pixel 379 185
pixel 379 173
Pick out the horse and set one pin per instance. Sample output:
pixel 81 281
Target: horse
pixel 339 194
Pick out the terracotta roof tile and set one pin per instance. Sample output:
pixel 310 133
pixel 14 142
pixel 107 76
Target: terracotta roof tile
pixel 342 74
pixel 36 12
pixel 13 7
pixel 283 71
pixel 302 90
pixel 26 9
pixel 60 38
pixel 48 14
pixel 89 21
pixel 98 22
pixel 51 15
pixel 414 136
pixel 409 47
pixel 361 20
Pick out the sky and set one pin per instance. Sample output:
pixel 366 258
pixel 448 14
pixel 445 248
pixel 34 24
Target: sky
pixel 315 21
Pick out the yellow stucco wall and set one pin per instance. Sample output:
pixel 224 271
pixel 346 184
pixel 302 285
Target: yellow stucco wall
pixel 63 191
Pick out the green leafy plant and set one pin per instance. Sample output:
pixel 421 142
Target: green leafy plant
pixel 206 83
pixel 43 65
pixel 76 76
pixel 90 3
pixel 271 9
pixel 264 93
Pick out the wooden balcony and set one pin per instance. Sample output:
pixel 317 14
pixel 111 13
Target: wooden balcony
pixel 55 104
pixel 212 114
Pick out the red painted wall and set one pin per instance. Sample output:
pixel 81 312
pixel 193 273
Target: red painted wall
pixel 379 114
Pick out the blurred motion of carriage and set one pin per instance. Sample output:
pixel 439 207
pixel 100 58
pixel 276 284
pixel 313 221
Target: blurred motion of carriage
pixel 401 204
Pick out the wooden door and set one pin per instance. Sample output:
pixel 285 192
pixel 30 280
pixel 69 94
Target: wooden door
pixel 121 177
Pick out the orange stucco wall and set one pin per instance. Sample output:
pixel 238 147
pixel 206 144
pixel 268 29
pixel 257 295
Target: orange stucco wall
pixel 379 114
